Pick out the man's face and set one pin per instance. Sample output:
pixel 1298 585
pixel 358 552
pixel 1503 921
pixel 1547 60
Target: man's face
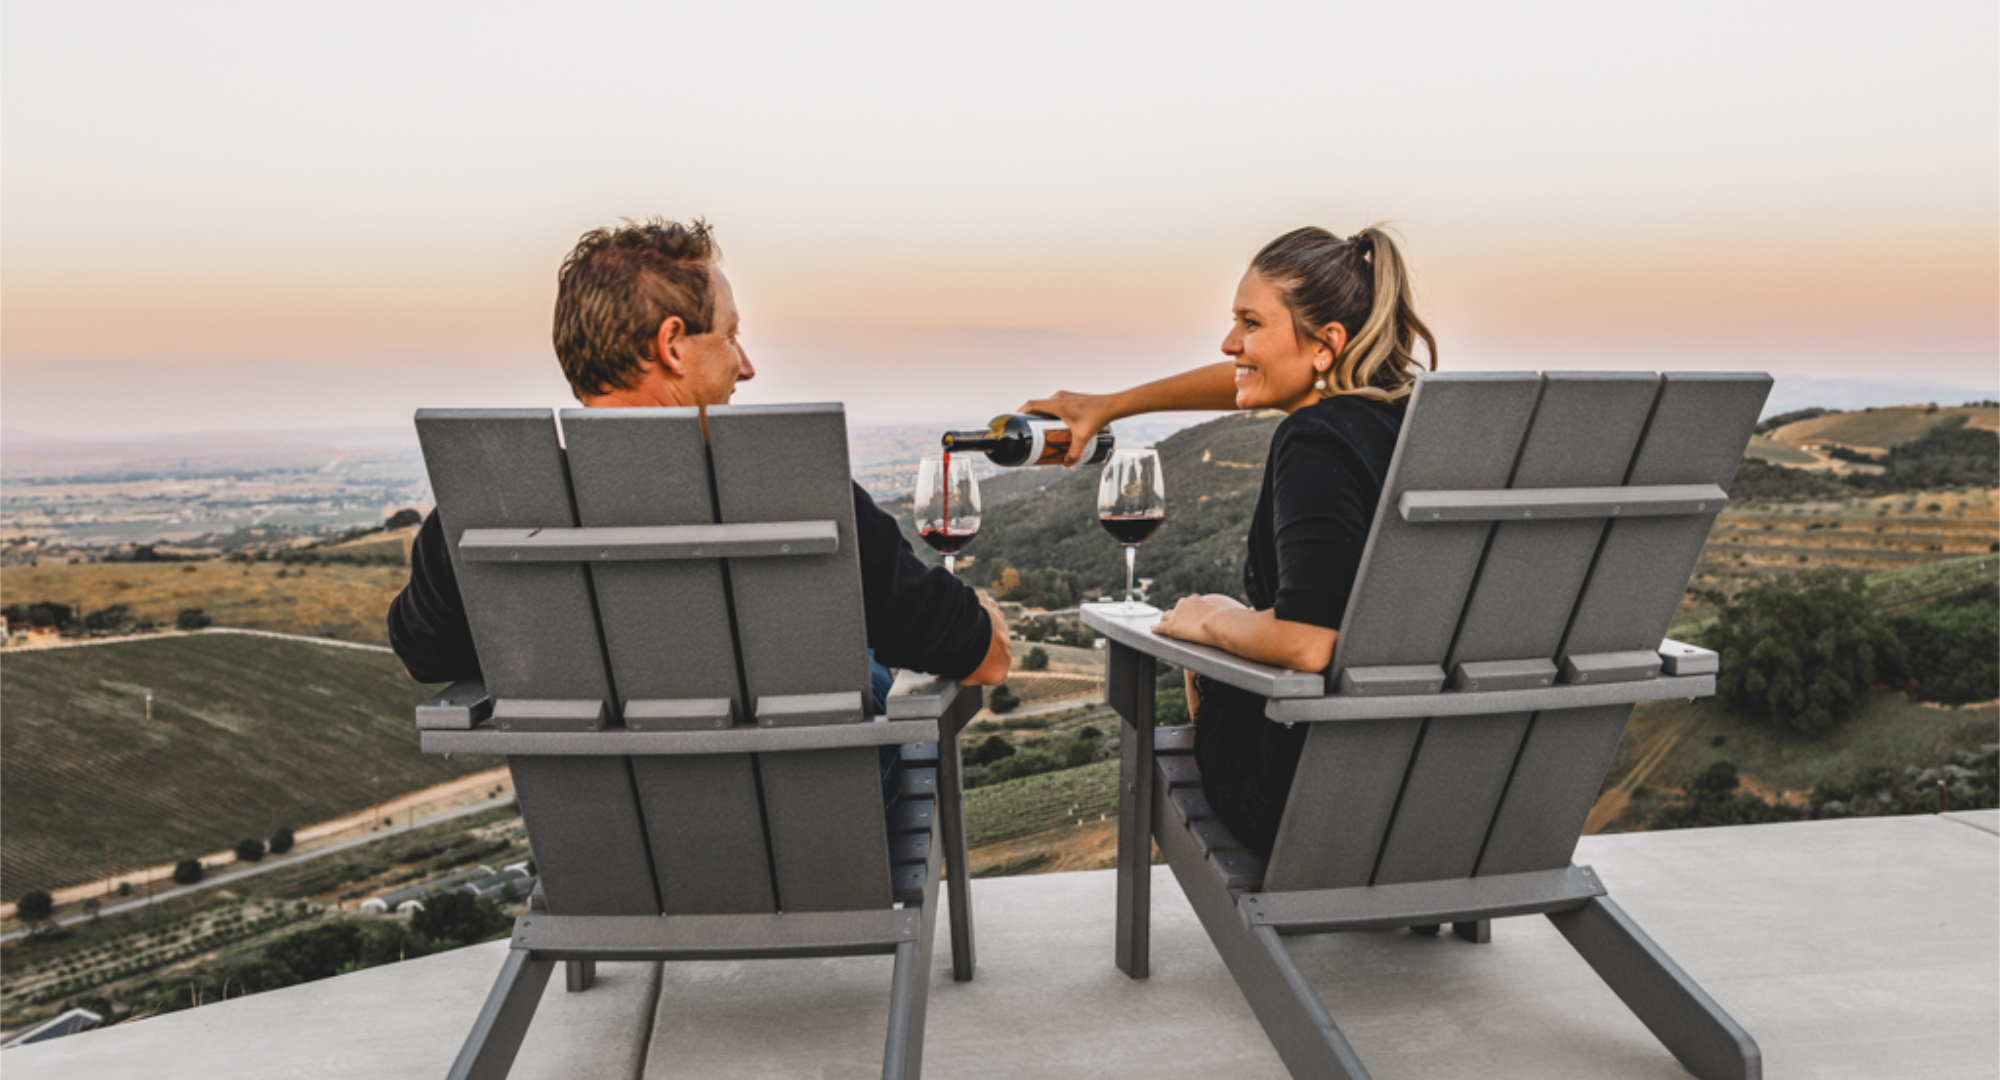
pixel 713 363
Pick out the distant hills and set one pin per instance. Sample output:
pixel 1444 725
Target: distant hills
pixel 1045 519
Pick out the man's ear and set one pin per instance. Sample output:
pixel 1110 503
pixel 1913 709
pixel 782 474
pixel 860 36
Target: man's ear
pixel 666 345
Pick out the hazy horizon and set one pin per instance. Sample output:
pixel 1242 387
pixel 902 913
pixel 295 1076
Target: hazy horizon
pixel 228 217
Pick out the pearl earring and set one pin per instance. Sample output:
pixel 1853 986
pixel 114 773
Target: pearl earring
pixel 1319 384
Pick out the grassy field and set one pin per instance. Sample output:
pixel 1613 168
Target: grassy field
pixel 1001 811
pixel 1879 428
pixel 249 734
pixel 345 602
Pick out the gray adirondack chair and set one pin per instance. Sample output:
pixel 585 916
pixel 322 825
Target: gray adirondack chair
pixel 1533 538
pixel 672 639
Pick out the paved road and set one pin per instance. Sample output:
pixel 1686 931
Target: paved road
pixel 275 862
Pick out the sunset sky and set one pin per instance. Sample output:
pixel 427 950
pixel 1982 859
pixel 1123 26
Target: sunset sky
pixel 266 216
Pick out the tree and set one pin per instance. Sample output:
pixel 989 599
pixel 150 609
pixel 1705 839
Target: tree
pixel 1036 660
pixel 35 905
pixel 992 750
pixel 187 872
pixel 1799 653
pixel 281 841
pixel 1003 700
pixel 1712 799
pixel 1005 581
pixel 192 618
pixel 46 613
pixel 250 849
pixel 1952 647
pixel 403 519
pixel 451 919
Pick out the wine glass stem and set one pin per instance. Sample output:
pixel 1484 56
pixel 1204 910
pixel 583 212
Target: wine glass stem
pixel 951 564
pixel 1131 554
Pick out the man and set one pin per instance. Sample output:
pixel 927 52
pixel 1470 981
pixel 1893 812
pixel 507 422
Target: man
pixel 645 317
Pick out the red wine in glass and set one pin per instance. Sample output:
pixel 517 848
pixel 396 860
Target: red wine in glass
pixel 1132 529
pixel 1132 505
pixel 946 505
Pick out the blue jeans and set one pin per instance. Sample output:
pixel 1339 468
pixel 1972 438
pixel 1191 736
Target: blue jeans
pixel 879 682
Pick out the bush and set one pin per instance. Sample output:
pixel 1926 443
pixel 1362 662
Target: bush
pixel 187 872
pixel 1002 700
pixel 192 618
pixel 403 519
pixel 990 751
pixel 1971 781
pixel 452 919
pixel 1036 660
pixel 281 841
pixel 250 850
pixel 1950 647
pixel 1170 707
pixel 1799 653
pixel 34 906
pixel 1711 799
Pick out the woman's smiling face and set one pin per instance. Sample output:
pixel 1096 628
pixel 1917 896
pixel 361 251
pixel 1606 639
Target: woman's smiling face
pixel 1275 368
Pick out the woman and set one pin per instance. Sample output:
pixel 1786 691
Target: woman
pixel 1324 330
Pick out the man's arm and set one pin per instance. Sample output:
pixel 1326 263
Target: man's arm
pixel 427 624
pixel 920 617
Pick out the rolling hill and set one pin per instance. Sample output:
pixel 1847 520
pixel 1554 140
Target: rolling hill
pixel 249 734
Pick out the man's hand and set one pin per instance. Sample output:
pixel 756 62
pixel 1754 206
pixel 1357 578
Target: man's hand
pixel 999 655
pixel 1189 620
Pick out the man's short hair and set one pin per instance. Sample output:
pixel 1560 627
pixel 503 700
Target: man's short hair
pixel 615 289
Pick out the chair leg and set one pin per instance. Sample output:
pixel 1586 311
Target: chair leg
pixel 1706 1040
pixel 1129 684
pixel 578 975
pixel 958 868
pixel 503 1021
pixel 1478 931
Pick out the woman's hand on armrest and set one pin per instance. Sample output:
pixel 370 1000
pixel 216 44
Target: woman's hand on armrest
pixel 1211 386
pixel 993 670
pixel 1253 635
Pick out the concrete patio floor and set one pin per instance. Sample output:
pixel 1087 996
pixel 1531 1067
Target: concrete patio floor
pixel 1863 948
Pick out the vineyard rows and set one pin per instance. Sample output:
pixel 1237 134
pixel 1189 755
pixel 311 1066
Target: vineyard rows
pixel 139 953
pixel 1019 807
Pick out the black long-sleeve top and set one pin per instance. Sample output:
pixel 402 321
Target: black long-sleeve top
pixel 918 616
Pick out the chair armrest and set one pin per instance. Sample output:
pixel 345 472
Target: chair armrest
pixel 1264 680
pixel 1678 658
pixel 1490 702
pixel 459 707
pixel 916 696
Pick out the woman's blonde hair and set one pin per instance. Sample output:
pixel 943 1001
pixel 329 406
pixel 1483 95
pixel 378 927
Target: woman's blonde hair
pixel 1363 284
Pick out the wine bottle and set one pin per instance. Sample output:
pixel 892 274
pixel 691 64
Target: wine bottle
pixel 1027 439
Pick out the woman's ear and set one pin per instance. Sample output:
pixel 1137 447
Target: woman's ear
pixel 1333 339
pixel 667 342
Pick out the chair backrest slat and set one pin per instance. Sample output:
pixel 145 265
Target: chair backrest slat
pixel 1699 426
pixel 1462 431
pixel 667 634
pixel 801 627
pixel 537 638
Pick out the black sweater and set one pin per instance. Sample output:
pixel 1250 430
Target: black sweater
pixel 918 617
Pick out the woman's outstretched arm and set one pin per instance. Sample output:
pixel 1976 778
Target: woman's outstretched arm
pixel 1212 386
pixel 1253 635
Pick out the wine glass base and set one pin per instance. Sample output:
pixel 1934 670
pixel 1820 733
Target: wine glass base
pixel 1128 609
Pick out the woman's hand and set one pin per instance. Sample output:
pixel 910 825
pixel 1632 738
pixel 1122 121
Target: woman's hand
pixel 1083 414
pixel 1190 619
pixel 1253 635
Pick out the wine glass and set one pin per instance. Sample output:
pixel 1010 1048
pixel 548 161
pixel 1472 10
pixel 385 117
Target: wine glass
pixel 1131 505
pixel 946 505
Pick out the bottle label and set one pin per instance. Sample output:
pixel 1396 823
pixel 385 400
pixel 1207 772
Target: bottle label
pixel 1048 443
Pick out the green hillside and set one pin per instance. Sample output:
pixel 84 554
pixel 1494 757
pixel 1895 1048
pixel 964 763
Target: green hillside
pixel 249 734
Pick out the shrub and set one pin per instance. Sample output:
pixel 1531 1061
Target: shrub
pixel 192 618
pixel 1003 700
pixel 250 849
pixel 990 751
pixel 403 519
pixel 1170 707
pixel 1799 653
pixel 281 841
pixel 35 905
pixel 1711 799
pixel 1950 647
pixel 452 919
pixel 1025 723
pixel 187 872
pixel 1036 660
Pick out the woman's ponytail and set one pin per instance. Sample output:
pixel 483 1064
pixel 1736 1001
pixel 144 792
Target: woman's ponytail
pixel 1363 284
